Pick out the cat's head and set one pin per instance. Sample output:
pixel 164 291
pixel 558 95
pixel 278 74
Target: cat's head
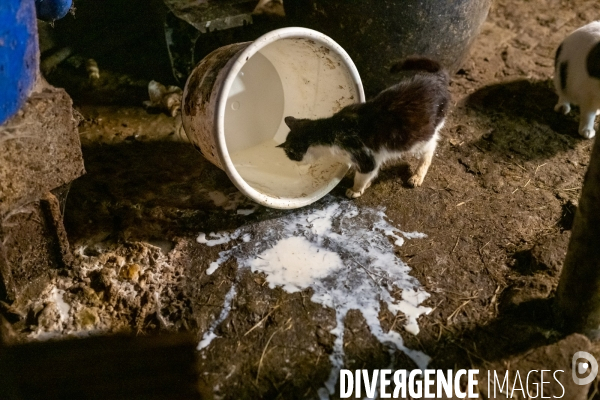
pixel 297 141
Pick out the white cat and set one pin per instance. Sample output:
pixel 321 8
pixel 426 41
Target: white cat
pixel 577 75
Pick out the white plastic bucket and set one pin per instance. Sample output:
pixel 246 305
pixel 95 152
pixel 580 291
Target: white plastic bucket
pixel 236 99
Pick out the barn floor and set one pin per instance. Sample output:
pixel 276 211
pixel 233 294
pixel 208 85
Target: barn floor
pixel 496 208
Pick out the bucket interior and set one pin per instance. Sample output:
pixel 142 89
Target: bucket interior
pixel 300 77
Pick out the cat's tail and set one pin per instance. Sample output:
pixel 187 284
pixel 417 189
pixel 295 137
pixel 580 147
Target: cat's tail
pixel 417 63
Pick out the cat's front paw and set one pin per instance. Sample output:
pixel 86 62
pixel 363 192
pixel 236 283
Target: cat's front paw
pixel 415 181
pixel 351 194
pixel 587 133
pixel 563 108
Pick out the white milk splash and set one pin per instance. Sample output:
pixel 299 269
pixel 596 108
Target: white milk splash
pixel 57 295
pixel 343 253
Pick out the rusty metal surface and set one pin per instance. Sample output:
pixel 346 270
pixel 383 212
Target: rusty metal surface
pixel 200 99
pixel 206 15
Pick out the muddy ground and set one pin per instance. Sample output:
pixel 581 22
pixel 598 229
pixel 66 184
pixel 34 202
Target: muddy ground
pixel 497 207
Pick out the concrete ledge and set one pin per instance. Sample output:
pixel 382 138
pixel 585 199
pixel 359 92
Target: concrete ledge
pixel 39 148
pixel 33 248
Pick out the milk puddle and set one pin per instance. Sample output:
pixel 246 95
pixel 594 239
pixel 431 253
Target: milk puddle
pixel 344 254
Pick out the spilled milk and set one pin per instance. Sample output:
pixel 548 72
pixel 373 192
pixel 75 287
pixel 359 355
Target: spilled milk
pixel 345 255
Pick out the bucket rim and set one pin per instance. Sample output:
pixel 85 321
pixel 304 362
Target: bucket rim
pixel 237 62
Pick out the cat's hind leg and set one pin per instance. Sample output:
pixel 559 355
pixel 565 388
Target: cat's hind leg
pixel 424 162
pixel 560 83
pixel 562 106
pixel 586 122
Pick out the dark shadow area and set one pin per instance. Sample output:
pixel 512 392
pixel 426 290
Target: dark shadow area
pixel 524 262
pixel 145 190
pixel 568 215
pixel 3 294
pixel 124 36
pixel 127 41
pixel 533 130
pixel 532 100
pixel 545 256
pixel 518 328
pixel 157 191
pixel 400 172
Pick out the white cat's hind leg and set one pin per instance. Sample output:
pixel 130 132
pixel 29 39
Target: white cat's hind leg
pixel 562 106
pixel 586 122
pixel 425 160
pixel 417 179
pixel 361 183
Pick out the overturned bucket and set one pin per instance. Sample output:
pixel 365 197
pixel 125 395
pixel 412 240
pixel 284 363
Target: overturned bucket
pixel 236 99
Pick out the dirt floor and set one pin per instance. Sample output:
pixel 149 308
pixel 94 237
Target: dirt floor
pixel 497 206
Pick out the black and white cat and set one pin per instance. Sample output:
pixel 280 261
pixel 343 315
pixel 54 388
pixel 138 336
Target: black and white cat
pixel 577 75
pixel 405 118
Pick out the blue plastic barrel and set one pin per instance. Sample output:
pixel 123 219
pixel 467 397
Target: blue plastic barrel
pixel 19 55
pixel 50 10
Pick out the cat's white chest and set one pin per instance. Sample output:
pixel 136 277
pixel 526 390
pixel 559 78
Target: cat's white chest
pixel 315 152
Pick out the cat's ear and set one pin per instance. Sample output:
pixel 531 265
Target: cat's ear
pixel 290 122
pixel 281 146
